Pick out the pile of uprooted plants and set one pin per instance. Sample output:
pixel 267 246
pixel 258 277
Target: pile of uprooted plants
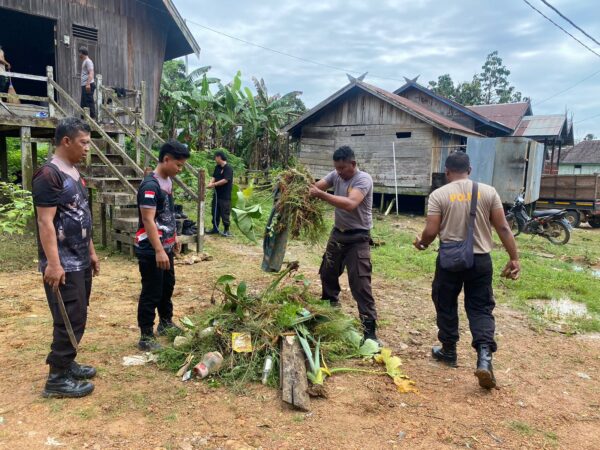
pixel 328 336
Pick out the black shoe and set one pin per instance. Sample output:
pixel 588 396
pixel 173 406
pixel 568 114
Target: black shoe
pixel 226 233
pixel 335 304
pixel 60 384
pixel 80 372
pixel 369 326
pixel 167 326
pixel 213 231
pixel 485 371
pixel 148 342
pixel 446 354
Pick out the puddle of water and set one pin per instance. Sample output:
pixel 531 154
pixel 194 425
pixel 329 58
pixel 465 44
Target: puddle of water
pixel 596 273
pixel 577 268
pixel 563 307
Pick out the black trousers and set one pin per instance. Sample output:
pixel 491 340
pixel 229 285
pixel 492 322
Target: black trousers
pixel 76 296
pixel 157 290
pixel 351 252
pixel 221 210
pixel 87 99
pixel 479 302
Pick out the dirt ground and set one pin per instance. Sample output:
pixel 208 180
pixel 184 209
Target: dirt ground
pixel 548 395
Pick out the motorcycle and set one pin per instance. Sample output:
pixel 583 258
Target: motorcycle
pixel 550 223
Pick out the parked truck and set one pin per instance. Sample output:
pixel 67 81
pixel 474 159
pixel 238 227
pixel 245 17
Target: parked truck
pixel 578 194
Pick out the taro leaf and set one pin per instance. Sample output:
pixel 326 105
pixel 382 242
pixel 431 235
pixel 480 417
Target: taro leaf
pixel 369 348
pixel 225 279
pixel 243 219
pixel 305 282
pixel 392 367
pixel 234 195
pixel 241 200
pixel 353 338
pixel 187 322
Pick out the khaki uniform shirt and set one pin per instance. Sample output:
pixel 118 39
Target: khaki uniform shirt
pixel 453 203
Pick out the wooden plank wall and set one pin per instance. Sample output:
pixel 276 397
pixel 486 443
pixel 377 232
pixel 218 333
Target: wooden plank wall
pixel 369 126
pixel 441 108
pixel 131 42
pixel 570 187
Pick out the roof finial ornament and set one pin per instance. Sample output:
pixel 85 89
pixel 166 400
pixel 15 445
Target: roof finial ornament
pixel 412 80
pixel 354 79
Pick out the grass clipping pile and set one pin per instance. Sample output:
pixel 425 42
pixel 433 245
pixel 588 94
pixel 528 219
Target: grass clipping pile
pixel 297 211
pixel 326 334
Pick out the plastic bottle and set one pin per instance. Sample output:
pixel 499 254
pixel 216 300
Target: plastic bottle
pixel 211 362
pixel 267 369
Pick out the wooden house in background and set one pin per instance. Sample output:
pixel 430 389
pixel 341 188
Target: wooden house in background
pixel 128 41
pixel 582 159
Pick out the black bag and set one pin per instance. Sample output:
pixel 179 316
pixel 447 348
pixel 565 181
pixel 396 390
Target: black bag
pixel 458 255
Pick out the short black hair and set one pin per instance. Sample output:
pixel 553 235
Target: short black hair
pixel 70 127
pixel 344 153
pixel 84 51
pixel 221 154
pixel 458 162
pixel 174 148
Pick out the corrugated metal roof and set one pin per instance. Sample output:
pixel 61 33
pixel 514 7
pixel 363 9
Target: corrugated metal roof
pixel 541 126
pixel 508 114
pixel 586 152
pixel 402 103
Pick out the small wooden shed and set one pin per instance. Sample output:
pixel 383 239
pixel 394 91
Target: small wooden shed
pixel 128 41
pixel 374 123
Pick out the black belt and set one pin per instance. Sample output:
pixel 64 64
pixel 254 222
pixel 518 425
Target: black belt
pixel 352 231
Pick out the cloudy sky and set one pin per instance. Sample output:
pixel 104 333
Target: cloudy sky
pixel 395 38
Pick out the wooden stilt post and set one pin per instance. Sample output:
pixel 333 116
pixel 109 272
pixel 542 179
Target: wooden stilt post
pixel 3 159
pixel 99 98
pixel 26 158
pixel 50 90
pixel 200 221
pixel 103 239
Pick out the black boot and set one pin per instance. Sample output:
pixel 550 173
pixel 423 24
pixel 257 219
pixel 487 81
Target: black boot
pixel 213 231
pixel 485 372
pixel 80 372
pixel 369 326
pixel 445 353
pixel 61 384
pixel 166 327
pixel 148 342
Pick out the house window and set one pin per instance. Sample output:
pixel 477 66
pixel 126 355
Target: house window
pixel 90 34
pixel 577 169
pixel 357 134
pixel 403 134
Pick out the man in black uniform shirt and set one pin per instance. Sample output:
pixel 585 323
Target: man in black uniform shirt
pixel 222 182
pixel 66 254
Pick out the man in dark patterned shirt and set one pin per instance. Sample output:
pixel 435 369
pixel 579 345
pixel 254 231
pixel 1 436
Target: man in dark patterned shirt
pixel 155 241
pixel 66 254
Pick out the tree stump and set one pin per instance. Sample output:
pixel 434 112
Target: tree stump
pixel 294 384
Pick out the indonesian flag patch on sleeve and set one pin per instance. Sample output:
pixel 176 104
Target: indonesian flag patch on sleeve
pixel 149 194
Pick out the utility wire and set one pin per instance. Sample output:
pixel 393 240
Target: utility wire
pixel 567 89
pixel 587 118
pixel 568 20
pixel 561 28
pixel 289 55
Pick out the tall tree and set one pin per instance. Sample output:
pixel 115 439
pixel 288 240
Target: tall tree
pixel 589 137
pixel 494 81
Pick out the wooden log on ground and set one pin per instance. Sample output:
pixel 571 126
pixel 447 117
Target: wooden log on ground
pixel 294 384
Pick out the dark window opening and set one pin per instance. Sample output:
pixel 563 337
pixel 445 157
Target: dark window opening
pixel 91 34
pixel 357 134
pixel 403 134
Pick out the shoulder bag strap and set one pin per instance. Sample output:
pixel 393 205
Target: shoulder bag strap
pixel 473 212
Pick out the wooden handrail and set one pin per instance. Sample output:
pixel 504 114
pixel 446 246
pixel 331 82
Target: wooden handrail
pixel 24 76
pixel 97 127
pixel 32 98
pixel 148 152
pixel 102 156
pixel 147 128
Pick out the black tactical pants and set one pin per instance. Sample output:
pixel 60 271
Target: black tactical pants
pixel 479 302
pixel 221 210
pixel 157 290
pixel 87 99
pixel 76 295
pixel 349 251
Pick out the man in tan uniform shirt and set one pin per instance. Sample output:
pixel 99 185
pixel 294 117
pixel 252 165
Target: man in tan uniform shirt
pixel 448 216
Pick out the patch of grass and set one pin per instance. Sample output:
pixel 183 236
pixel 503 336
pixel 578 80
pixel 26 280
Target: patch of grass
pixel 521 428
pixel 171 417
pixel 86 413
pixel 298 418
pixel 18 252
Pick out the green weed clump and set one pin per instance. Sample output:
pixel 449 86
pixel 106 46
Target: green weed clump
pixel 266 317
pixel 297 211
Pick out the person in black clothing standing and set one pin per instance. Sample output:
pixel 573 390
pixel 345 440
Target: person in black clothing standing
pixel 155 242
pixel 222 182
pixel 67 258
pixel 88 86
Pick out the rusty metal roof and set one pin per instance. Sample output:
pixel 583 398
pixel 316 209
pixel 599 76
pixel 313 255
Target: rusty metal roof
pixel 508 114
pixel 542 126
pixel 410 107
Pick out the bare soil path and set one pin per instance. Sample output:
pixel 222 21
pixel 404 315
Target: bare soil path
pixel 548 396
